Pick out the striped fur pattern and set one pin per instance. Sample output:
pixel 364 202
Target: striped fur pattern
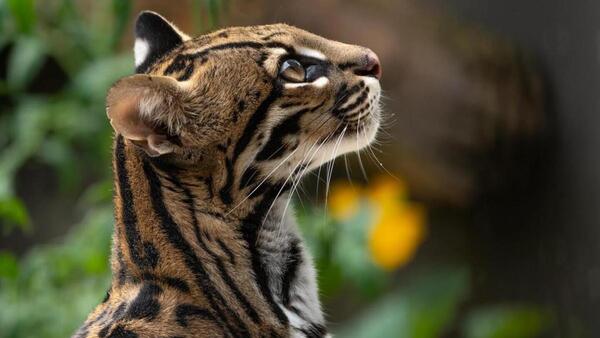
pixel 210 142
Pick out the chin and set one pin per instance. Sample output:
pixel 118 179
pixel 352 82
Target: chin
pixel 356 139
pixel 348 140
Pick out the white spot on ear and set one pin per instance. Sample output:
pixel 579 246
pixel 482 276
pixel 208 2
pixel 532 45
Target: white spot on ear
pixel 313 53
pixel 319 83
pixel 140 51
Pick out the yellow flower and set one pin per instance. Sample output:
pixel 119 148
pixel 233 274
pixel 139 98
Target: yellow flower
pixel 386 192
pixel 398 227
pixel 343 201
pixel 396 235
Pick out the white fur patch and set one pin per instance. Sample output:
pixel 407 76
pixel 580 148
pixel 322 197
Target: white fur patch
pixel 313 53
pixel 319 83
pixel 278 51
pixel 140 51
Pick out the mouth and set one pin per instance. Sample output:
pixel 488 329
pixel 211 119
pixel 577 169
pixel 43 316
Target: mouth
pixel 359 113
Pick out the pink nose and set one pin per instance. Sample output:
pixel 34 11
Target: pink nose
pixel 370 67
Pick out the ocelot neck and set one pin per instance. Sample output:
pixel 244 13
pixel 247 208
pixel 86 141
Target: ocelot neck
pixel 201 248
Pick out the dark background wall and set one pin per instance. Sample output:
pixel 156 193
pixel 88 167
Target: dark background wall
pixel 547 243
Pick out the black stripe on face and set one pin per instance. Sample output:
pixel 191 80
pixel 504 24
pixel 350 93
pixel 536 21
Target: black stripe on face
pixel 290 271
pixel 255 120
pixel 291 104
pixel 249 177
pixel 275 147
pixel 344 94
pixel 144 255
pixel 348 65
pixel 171 230
pixel 359 100
pixel 184 63
pixel 251 127
pixel 272 35
pixel 181 60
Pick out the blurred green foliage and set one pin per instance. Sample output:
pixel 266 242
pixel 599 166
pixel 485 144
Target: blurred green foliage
pixel 53 288
pixel 61 56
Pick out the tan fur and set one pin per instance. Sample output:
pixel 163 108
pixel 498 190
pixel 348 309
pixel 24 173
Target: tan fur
pixel 197 125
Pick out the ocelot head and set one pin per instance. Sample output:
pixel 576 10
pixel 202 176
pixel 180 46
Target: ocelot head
pixel 246 104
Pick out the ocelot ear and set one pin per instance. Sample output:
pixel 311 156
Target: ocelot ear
pixel 154 37
pixel 149 111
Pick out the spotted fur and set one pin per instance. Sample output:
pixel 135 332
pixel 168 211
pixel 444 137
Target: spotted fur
pixel 209 143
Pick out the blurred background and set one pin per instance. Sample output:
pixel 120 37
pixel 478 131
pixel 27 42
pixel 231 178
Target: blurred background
pixel 476 214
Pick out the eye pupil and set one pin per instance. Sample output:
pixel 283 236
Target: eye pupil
pixel 292 70
pixel 312 73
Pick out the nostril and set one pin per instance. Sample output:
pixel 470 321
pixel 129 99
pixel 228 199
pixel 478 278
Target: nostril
pixel 370 66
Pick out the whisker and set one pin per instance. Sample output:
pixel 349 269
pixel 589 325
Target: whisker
pixel 299 177
pixel 293 172
pixel 302 174
pixel 360 163
pixel 378 163
pixel 262 182
pixel 348 170
pixel 275 200
pixel 330 173
pixel 277 167
pixel 320 116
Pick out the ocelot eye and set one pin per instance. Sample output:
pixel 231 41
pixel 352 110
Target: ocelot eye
pixel 291 70
pixel 314 72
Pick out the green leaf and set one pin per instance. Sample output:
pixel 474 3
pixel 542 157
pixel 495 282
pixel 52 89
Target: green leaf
pixel 61 155
pixel 27 129
pixel 434 301
pixel 94 80
pixel 100 192
pixel 23 13
pixel 14 211
pixel 350 252
pixel 506 322
pixel 9 268
pixel 423 309
pixel 24 62
pixel 74 273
